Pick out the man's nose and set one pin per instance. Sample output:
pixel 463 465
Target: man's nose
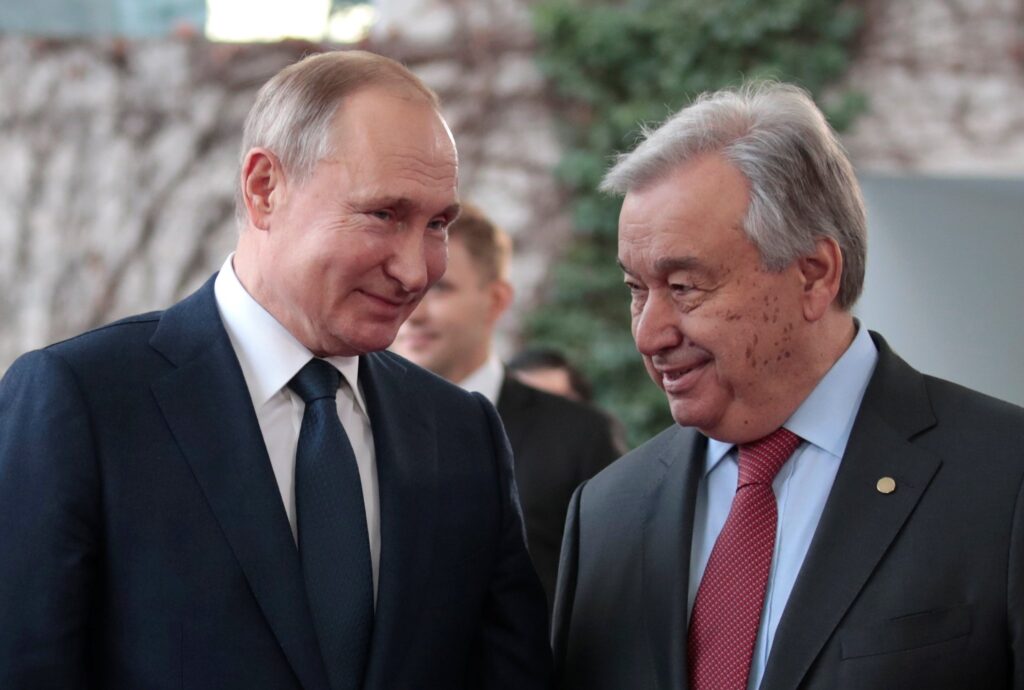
pixel 408 262
pixel 656 327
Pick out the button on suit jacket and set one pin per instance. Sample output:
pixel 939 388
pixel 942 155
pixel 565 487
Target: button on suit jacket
pixel 919 588
pixel 146 544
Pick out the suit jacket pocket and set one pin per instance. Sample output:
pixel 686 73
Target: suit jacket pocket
pixel 907 632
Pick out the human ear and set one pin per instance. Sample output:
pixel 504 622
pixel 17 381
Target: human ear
pixel 501 292
pixel 262 186
pixel 821 272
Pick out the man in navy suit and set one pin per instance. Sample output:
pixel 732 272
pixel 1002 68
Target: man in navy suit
pixel 150 519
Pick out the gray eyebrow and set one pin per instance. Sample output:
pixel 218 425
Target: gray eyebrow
pixel 668 264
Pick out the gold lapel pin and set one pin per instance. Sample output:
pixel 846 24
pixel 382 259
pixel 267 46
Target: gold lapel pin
pixel 886 485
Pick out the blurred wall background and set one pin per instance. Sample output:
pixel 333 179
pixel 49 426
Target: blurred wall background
pixel 119 127
pixel 940 154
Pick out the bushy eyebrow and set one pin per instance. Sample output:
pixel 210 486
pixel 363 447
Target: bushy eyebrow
pixel 670 264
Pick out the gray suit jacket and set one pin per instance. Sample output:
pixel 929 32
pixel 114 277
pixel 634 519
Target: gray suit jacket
pixel 920 588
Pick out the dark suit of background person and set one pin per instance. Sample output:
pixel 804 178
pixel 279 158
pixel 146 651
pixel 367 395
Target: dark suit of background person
pixel 556 443
pixel 914 576
pixel 146 544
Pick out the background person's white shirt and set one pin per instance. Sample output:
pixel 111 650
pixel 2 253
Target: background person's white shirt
pixel 270 356
pixel 486 380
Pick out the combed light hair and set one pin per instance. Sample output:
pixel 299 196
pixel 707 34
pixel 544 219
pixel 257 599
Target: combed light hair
pixel 802 185
pixel 293 112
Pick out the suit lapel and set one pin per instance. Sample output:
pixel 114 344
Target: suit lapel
pixel 405 446
pixel 859 522
pixel 666 553
pixel 208 409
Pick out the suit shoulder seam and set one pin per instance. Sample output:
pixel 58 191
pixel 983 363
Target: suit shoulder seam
pixel 141 319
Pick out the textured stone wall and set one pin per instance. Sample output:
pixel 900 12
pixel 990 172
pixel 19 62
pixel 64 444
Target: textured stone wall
pixel 945 79
pixel 119 164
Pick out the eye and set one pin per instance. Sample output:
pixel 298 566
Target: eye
pixel 634 287
pixel 680 289
pixel 382 214
pixel 438 226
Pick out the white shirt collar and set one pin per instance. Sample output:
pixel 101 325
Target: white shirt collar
pixel 825 417
pixel 269 355
pixel 486 380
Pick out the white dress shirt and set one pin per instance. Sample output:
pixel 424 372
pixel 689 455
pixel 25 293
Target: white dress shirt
pixel 486 380
pixel 824 421
pixel 270 356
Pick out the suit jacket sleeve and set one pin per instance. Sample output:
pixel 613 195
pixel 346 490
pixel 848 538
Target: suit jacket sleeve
pixel 514 652
pixel 48 525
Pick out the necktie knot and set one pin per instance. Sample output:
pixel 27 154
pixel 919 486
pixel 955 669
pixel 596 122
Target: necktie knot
pixel 762 459
pixel 318 379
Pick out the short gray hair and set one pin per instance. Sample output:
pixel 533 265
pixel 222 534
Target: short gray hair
pixel 802 185
pixel 293 112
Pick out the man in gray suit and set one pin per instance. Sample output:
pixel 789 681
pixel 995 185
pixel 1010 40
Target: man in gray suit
pixel 823 515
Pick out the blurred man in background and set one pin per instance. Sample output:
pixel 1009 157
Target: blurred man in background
pixel 551 371
pixel 244 491
pixel 823 516
pixel 556 443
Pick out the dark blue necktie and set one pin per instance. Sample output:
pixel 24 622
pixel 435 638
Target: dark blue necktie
pixel 334 544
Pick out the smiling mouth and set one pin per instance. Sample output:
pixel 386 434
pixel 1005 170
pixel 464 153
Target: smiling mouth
pixel 682 379
pixel 387 301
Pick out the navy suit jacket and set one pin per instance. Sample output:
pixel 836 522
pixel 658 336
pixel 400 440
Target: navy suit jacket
pixel 145 543
pixel 919 588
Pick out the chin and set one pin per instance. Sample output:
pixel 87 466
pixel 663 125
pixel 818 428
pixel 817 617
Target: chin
pixel 355 345
pixel 689 414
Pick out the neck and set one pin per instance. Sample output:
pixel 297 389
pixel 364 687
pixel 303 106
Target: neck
pixel 827 340
pixel 469 366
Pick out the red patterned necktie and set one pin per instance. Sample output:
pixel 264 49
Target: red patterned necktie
pixel 723 627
